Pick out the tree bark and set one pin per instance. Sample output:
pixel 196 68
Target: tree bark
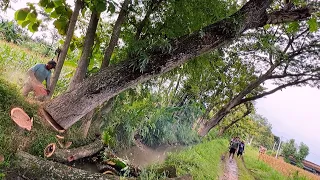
pixel 92 92
pixel 86 123
pixel 69 155
pixel 115 34
pixel 64 51
pixel 83 63
pixel 38 168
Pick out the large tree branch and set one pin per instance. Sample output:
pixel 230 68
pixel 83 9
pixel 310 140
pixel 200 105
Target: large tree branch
pixel 281 16
pixel 274 90
pixel 111 81
pixel 249 107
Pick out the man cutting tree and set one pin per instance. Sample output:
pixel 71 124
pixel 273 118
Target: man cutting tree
pixel 36 75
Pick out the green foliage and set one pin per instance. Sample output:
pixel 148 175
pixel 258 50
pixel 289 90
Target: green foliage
pixel 302 153
pixel 313 24
pixel 10 32
pixel 28 17
pixel 108 137
pixel 202 160
pixel 296 176
pixel 9 133
pixel 289 149
pixel 56 9
pixel 40 142
pixel 243 172
pixel 151 173
pixel 259 169
pixel 299 153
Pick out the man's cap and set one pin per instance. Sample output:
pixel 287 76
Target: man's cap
pixel 53 63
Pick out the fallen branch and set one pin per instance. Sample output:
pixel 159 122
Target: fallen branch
pixel 38 168
pixel 68 155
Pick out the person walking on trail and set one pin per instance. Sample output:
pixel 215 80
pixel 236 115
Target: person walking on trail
pixel 240 149
pixel 36 75
pixel 233 147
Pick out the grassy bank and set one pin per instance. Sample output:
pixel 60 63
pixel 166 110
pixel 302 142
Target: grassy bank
pixel 202 161
pixel 13 138
pixel 254 168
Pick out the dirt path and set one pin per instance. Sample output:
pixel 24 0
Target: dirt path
pixel 230 170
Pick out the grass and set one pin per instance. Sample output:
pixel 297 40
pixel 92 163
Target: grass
pixel 243 172
pixel 13 138
pixel 255 168
pixel 259 169
pixel 202 161
pixel 14 63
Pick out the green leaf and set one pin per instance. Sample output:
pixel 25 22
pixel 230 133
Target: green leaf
pixel 43 3
pixel 69 13
pixel 57 3
pixel 48 10
pixel 21 14
pixel 32 16
pixel 61 10
pixel 54 14
pixel 313 25
pixel 24 23
pixel 71 64
pixel 293 27
pixel 267 26
pixel 33 27
pixel 111 8
pixel 61 41
pixel 101 6
pixel 50 5
pixel 61 25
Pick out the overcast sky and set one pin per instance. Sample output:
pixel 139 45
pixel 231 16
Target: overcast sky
pixel 294 112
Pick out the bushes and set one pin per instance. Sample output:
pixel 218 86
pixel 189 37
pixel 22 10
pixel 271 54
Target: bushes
pixel 202 161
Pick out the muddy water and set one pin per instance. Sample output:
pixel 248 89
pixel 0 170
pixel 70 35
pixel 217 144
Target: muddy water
pixel 139 155
pixel 142 155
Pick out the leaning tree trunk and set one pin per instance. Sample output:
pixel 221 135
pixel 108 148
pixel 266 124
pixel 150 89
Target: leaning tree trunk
pixel 83 63
pixel 64 51
pixel 92 92
pixel 86 124
pixel 68 155
pixel 38 168
pixel 115 34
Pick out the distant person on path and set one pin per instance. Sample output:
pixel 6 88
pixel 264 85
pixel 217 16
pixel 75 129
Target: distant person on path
pixel 36 75
pixel 233 147
pixel 240 149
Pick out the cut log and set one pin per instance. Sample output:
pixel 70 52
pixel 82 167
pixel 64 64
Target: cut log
pixel 68 155
pixel 49 121
pixel 41 169
pixel 21 118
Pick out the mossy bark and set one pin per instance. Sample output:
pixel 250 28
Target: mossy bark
pixel 41 169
